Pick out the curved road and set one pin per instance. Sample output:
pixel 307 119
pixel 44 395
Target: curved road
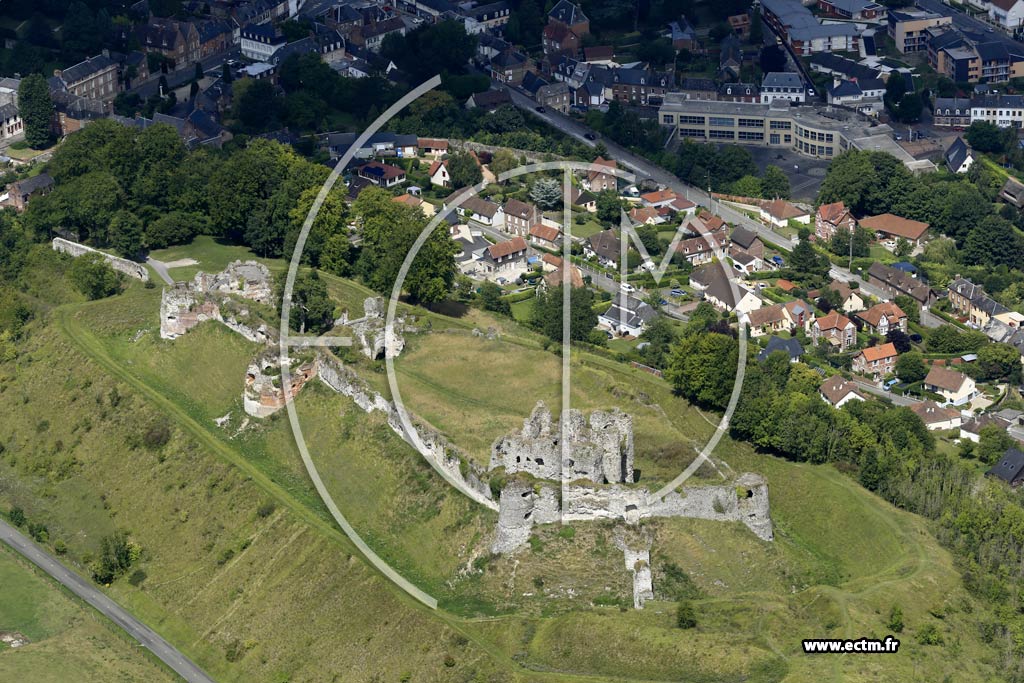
pixel 183 666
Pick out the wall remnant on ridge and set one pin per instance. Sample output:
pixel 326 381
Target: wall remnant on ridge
pixel 121 265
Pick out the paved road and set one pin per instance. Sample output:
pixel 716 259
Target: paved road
pixel 178 78
pixel 107 607
pixel 645 168
pixel 895 398
pixel 965 22
pixel 161 269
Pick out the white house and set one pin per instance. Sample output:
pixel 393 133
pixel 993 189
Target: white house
pixel 838 391
pixel 955 387
pixel 782 86
pixel 483 212
pixel 630 319
pixel 260 41
pixel 935 417
pixel 439 174
pixel 1007 13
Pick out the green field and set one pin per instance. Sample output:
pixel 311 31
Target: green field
pixel 244 571
pixel 67 640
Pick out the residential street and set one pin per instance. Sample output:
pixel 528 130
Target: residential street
pixel 895 398
pixel 107 607
pixel 182 76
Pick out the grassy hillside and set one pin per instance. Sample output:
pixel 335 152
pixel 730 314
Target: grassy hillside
pixel 67 640
pixel 243 570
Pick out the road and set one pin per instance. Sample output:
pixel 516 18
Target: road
pixel 180 77
pixel 965 22
pixel 645 168
pixel 895 398
pixel 161 269
pixel 183 666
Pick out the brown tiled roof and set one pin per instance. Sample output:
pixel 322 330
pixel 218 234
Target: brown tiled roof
pixel 512 246
pixel 944 378
pixel 835 388
pixel 832 213
pixel 873 353
pixel 514 207
pixel 432 143
pixel 767 315
pixel 554 279
pixel 785 285
pixel 480 206
pixel 895 225
pixel 931 412
pixel 436 165
pixel 388 171
pixel 659 196
pixel 873 316
pixel 833 321
pixel 545 232
pixel 783 210
pixel 642 214
pixel 408 200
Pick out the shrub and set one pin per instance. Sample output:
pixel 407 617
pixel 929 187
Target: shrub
pixel 60 547
pixel 686 616
pixel 266 509
pixel 137 577
pixel 929 635
pixel 38 532
pixel 895 622
pixel 157 436
pixel 17 516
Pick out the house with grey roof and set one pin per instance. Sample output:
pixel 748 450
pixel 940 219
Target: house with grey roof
pixel 786 86
pixel 789 346
pixel 629 318
pixel 958 157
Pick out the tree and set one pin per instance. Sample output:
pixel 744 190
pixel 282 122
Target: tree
pixel 547 313
pixel 910 367
pixel 986 137
pixel 546 193
pixel 91 276
pixel 389 231
pixel 899 339
pixel 686 616
pixel 840 242
pixel 657 53
pixel 490 295
pixel 36 110
pixel 312 309
pixel 993 442
pixel 503 160
pixel 337 255
pixel 998 362
pixel 176 227
pixel 702 367
pixel 609 207
pixel 659 335
pixel 994 242
pixel 806 262
pixel 949 339
pixel 255 104
pixel 464 170
pixel 774 183
pixel 125 234
pixel 903 248
pixel 747 186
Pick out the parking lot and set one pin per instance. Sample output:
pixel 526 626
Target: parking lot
pixel 805 174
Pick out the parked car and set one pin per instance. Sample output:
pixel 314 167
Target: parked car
pixel 777 260
pixel 662 302
pixel 627 288
pixel 890 384
pixel 540 110
pixel 916 338
pixel 677 292
pixel 590 136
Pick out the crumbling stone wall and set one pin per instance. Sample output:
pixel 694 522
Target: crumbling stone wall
pixel 247 279
pixel 121 265
pixel 264 394
pixel 600 450
pixel 436 448
pixel 181 310
pixel 745 500
pixel 369 331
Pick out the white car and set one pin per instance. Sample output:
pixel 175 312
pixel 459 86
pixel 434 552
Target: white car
pixel 627 288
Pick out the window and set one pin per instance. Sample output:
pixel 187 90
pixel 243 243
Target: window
pixel 751 135
pixel 698 120
pixel 668 118
pixel 722 135
pixel 779 125
pixel 775 139
pixel 691 133
pixel 722 121
pixel 789 139
pixel 751 123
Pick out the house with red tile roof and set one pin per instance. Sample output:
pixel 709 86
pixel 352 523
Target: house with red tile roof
pixel 876 361
pixel 831 218
pixel 836 329
pixel 439 174
pixel 881 318
pixel 891 227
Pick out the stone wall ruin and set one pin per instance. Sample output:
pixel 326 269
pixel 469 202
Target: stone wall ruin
pixel 121 265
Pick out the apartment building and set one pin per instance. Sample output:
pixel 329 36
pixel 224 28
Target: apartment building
pixel 909 29
pixel 786 86
pixel 1006 111
pixel 94 79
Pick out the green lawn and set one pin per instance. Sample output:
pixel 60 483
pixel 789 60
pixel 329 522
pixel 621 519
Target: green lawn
pixel 67 639
pixel 212 254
